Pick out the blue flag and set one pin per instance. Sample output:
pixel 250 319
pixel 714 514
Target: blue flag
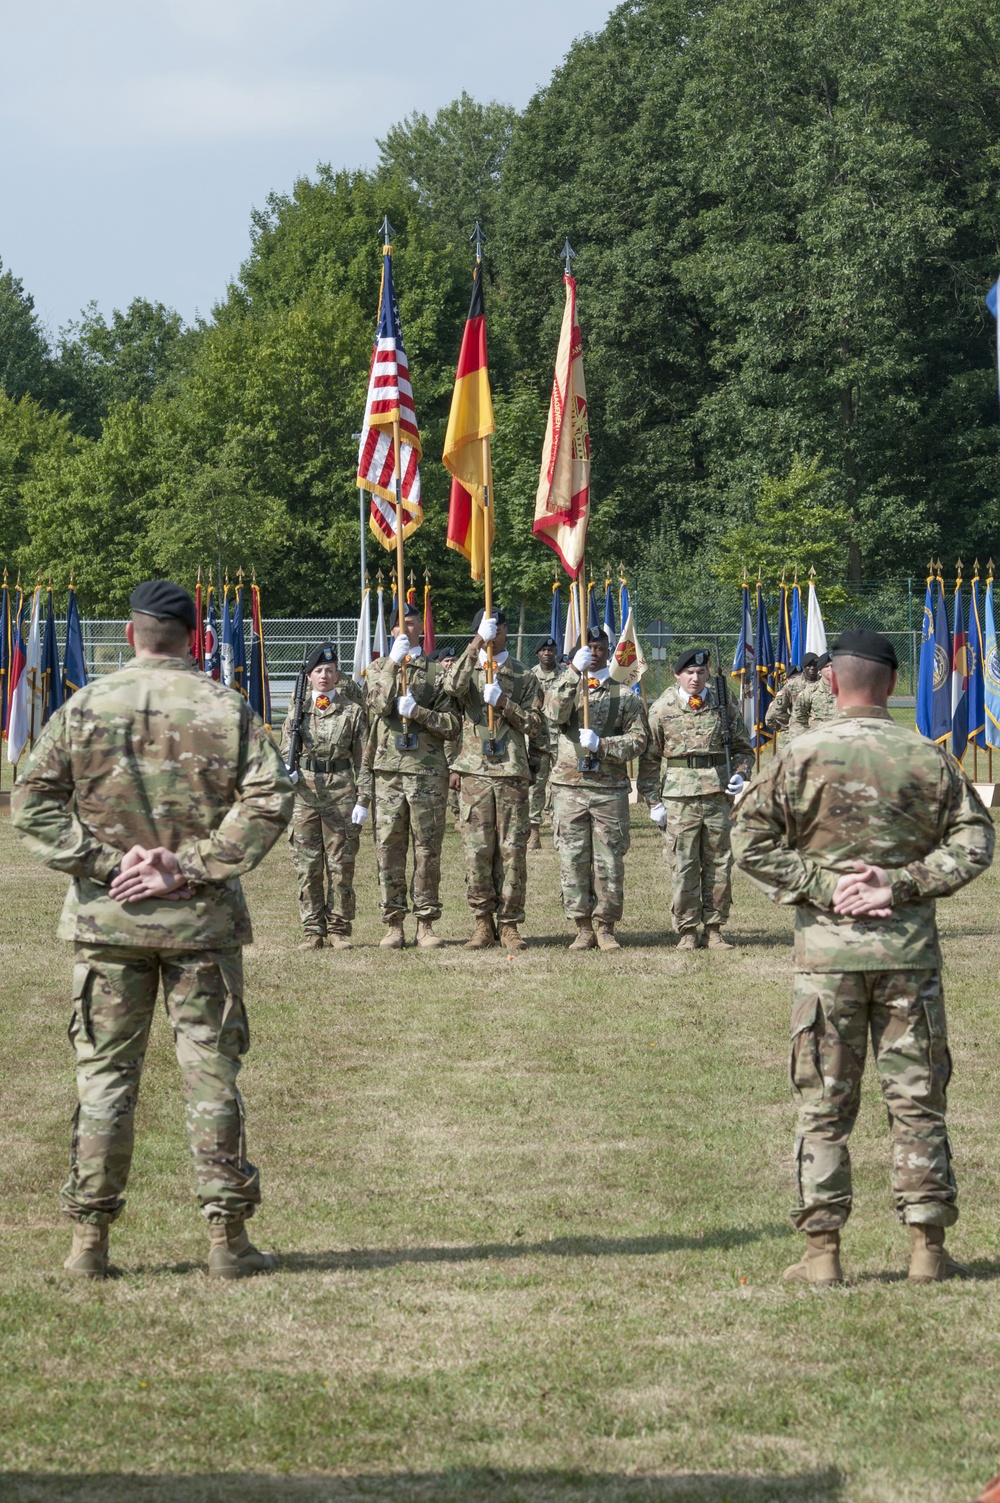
pixel 52 692
pixel 555 620
pixel 782 661
pixel 796 630
pixel 743 661
pixel 925 672
pixel 5 643
pixel 239 646
pixel 227 641
pixel 609 612
pixel 977 657
pixel 991 670
pixel 593 620
pixel 764 662
pixel 624 604
pixel 75 661
pixel 959 679
pixel 213 646
pixel 934 679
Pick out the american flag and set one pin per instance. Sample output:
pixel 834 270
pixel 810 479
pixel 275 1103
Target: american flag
pixel 390 398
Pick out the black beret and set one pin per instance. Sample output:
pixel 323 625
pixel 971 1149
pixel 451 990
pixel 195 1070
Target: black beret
pixel 447 651
pixel 598 634
pixel 809 660
pixel 408 610
pixel 548 642
pixel 324 653
pixel 499 616
pixel 695 657
pixel 863 643
pixel 823 661
pixel 165 601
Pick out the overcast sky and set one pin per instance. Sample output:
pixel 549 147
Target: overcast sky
pixel 138 136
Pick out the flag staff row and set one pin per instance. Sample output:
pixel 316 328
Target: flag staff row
pixel 759 667
pixel 32 684
pixel 958 684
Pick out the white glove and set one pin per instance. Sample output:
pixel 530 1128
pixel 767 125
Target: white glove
pixel 735 783
pixel 487 628
pixel 582 659
pixel 405 705
pixel 293 777
pixel 492 693
pixel 400 647
pixel 589 739
pixel 359 814
pixel 659 816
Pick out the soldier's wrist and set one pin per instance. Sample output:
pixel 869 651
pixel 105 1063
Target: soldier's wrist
pixel 902 886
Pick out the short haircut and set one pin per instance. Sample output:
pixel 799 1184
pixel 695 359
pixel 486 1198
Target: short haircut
pixel 862 674
pixel 167 638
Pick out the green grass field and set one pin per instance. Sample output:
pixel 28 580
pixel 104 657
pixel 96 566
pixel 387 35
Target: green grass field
pixel 532 1214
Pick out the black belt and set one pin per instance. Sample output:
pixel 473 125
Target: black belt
pixel 317 764
pixel 697 759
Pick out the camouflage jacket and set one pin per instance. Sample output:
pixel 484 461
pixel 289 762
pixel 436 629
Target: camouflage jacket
pixel 679 735
pixel 335 737
pixel 862 788
pixel 617 716
pixel 813 707
pixel 779 711
pixel 435 719
pixel 519 722
pixel 549 738
pixel 154 755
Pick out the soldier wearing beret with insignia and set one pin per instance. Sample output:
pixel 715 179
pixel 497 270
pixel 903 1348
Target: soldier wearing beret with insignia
pixel 494 778
pixel 682 777
pixel 548 670
pixel 860 825
pixel 816 703
pixel 155 789
pixel 590 787
pixel 409 777
pixel 325 830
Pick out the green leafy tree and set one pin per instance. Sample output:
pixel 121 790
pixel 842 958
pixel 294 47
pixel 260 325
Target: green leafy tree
pixel 36 447
pixel 101 363
pixel 797 525
pixel 25 361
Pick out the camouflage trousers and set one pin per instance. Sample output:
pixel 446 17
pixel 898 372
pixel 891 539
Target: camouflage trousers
pixel 696 845
pixel 592 838
pixel 114 999
pixel 538 798
pixel 324 850
pixel 410 807
pixel 494 818
pixel 833 1015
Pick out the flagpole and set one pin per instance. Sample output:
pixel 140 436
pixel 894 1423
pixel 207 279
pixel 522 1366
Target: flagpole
pixel 488 564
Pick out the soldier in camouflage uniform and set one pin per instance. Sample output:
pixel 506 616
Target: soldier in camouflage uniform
pixel 816 704
pixel 779 711
pixel 590 807
pixel 444 657
pixel 548 671
pixel 814 830
pixel 409 784
pixel 682 777
pixel 326 821
pixel 494 784
pixel 155 789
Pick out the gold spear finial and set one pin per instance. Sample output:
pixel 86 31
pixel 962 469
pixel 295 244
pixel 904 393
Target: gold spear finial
pixel 812 574
pixel 427 576
pixel 198 580
pixel 975 569
pixel 958 571
pixel 239 578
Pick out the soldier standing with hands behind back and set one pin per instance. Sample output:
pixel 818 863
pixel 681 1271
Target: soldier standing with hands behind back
pixel 155 789
pixel 860 825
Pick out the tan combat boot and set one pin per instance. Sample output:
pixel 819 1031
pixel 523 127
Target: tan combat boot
pixel 535 839
pixel 484 936
pixel 339 942
pixel 819 1266
pixel 510 939
pixel 606 937
pixel 929 1263
pixel 426 938
pixel 714 939
pixel 585 938
pixel 393 938
pixel 688 940
pixel 88 1257
pixel 231 1254
pixel 312 942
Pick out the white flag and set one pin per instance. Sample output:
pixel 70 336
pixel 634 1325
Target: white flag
pixel 571 640
pixel 33 670
pixel 380 648
pixel 362 647
pixel 815 630
pixel 628 662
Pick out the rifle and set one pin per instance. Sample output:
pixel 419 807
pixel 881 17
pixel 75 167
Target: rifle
pixel 722 694
pixel 297 715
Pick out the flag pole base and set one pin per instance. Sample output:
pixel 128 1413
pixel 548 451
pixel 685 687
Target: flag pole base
pixel 406 741
pixel 589 764
pixel 495 747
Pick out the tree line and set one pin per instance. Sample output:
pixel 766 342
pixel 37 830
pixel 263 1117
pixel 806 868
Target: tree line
pixel 786 217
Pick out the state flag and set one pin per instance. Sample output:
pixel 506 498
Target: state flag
pixel 466 456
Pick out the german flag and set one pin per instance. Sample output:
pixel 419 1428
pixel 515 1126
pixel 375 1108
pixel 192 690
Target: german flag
pixel 465 455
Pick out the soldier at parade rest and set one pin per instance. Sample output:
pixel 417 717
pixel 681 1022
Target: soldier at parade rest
pixel 325 829
pixel 547 670
pixel 590 806
pixel 816 703
pixel 406 774
pixel 779 711
pixel 860 824
pixel 155 789
pixel 682 778
pixel 494 780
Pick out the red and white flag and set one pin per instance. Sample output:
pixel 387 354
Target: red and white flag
pixel 17 719
pixel 562 505
pixel 390 400
pixel 380 647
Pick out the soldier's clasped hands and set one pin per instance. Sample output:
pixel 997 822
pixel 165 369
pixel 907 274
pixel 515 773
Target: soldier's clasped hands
pixel 863 893
pixel 152 873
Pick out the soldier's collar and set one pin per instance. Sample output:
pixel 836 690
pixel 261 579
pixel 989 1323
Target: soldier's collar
pixel 601 674
pixel 499 658
pixel 863 712
pixel 159 662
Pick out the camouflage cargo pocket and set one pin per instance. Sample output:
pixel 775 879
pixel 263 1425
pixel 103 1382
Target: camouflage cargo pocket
pixel 804 1073
pixel 81 1021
